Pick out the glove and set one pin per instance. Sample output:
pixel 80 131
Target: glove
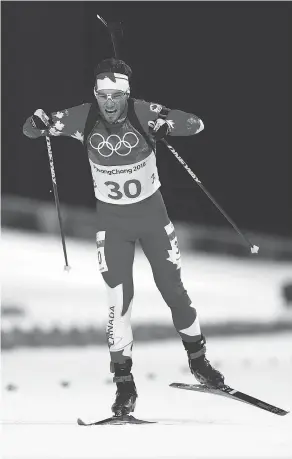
pixel 159 128
pixel 41 120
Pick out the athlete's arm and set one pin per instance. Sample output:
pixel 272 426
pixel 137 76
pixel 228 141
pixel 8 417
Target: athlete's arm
pixel 69 122
pixel 179 122
pixel 183 123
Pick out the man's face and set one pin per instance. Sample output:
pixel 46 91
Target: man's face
pixel 112 103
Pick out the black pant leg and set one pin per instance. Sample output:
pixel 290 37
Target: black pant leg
pixel 160 246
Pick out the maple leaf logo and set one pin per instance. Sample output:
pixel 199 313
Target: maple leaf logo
pixel 174 256
pixel 59 125
pixel 171 257
pixel 53 131
pixel 78 135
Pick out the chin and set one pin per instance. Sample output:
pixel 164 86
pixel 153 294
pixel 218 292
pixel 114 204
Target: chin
pixel 111 119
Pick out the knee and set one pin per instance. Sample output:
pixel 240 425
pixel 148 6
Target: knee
pixel 120 298
pixel 115 277
pixel 111 280
pixel 173 292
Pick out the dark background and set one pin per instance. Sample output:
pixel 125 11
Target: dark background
pixel 227 62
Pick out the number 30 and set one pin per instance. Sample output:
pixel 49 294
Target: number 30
pixel 119 195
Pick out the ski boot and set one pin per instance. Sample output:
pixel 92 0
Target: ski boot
pixel 200 366
pixel 126 393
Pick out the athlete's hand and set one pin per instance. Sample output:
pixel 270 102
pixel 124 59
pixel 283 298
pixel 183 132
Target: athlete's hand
pixel 41 120
pixel 159 128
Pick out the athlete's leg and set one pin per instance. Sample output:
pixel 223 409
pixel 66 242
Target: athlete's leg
pixel 161 249
pixel 160 246
pixel 116 257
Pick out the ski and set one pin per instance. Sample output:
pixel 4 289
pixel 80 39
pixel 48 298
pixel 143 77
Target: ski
pixel 115 420
pixel 234 394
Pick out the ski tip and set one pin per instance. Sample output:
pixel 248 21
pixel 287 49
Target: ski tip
pixel 182 385
pixel 177 385
pixel 80 422
pixel 283 412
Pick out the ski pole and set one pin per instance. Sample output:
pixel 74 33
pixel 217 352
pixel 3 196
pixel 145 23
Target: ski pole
pixel 253 248
pixel 44 118
pixel 114 28
pixel 57 202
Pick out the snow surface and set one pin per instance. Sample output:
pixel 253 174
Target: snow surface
pixel 221 288
pixel 39 418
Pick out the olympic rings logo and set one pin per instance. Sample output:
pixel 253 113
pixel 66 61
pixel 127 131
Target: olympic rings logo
pixel 129 144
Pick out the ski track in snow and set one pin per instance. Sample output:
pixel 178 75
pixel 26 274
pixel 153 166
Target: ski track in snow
pixel 39 418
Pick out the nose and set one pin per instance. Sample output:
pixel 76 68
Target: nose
pixel 109 102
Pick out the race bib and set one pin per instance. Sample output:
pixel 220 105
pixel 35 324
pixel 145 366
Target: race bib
pixel 125 184
pixel 100 243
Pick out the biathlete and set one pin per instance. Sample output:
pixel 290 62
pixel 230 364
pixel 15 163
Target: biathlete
pixel 119 135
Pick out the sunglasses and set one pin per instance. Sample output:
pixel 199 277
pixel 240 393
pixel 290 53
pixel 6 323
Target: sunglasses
pixel 116 96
